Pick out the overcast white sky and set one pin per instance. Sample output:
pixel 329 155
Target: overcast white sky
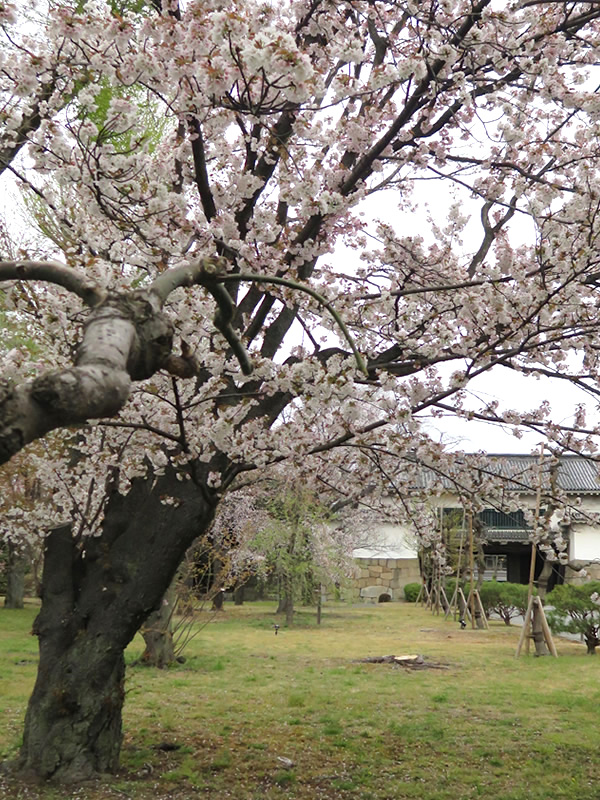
pixel 516 392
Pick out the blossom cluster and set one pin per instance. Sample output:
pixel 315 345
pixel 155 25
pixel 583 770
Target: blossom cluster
pixel 260 133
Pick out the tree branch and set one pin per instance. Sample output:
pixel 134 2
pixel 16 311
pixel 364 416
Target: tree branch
pixel 54 272
pixel 200 171
pixel 126 338
pixel 31 122
pixel 312 293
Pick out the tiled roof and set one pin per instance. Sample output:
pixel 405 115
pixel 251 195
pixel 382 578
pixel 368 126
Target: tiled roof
pixel 507 534
pixel 521 473
pixel 575 474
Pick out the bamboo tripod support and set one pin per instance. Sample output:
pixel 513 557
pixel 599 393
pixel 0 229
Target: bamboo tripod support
pixel 423 597
pixel 471 600
pixel 534 609
pixel 453 608
pixel 444 598
pixel 474 602
pixel 439 598
pixel 463 606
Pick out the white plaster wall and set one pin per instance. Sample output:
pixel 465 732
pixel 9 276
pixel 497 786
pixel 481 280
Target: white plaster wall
pixel 585 542
pixel 391 541
pixel 397 541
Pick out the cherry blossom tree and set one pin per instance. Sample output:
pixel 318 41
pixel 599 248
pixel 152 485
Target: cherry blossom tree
pixel 20 495
pixel 216 296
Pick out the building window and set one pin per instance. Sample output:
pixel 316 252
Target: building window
pixel 495 568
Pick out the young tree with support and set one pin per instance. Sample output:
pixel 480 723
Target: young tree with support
pixel 201 328
pixel 575 610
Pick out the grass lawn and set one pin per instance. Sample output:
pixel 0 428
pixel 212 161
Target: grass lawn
pixel 488 726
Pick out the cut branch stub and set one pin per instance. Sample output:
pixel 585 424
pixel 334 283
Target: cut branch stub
pixel 154 335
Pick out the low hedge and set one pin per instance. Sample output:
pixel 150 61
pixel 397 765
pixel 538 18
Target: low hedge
pixel 411 592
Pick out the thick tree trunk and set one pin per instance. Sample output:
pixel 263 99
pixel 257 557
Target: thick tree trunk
pixel 217 590
pixel 479 621
pixel 281 596
pixel 15 578
pixel 537 634
pixel 73 721
pixel 158 632
pixel 289 600
pixel 238 596
pixel 218 600
pixel 281 605
pixel 286 598
pixel 95 596
pixel 543 578
pixel 592 641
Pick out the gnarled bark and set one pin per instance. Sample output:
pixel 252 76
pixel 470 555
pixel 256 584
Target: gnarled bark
pixel 592 640
pixel 94 599
pixel 127 338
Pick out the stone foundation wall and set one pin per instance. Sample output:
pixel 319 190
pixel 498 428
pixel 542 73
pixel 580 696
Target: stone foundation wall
pixel 391 574
pixel 592 570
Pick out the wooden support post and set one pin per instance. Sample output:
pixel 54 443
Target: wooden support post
pixel 433 587
pixel 531 576
pixel 535 626
pixel 525 630
pixel 538 500
pixel 444 600
pixel 463 605
pixel 438 590
pixel 453 605
pixel 540 617
pixel 471 568
pixel 454 601
pixel 479 605
pixel 474 602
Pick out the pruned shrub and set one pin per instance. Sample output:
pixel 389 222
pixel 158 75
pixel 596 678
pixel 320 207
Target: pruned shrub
pixel 575 609
pixel 411 592
pixel 508 600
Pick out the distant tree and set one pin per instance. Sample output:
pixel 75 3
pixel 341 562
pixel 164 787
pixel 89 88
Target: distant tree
pixel 157 632
pixel 576 609
pixel 286 543
pixel 16 567
pixel 20 496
